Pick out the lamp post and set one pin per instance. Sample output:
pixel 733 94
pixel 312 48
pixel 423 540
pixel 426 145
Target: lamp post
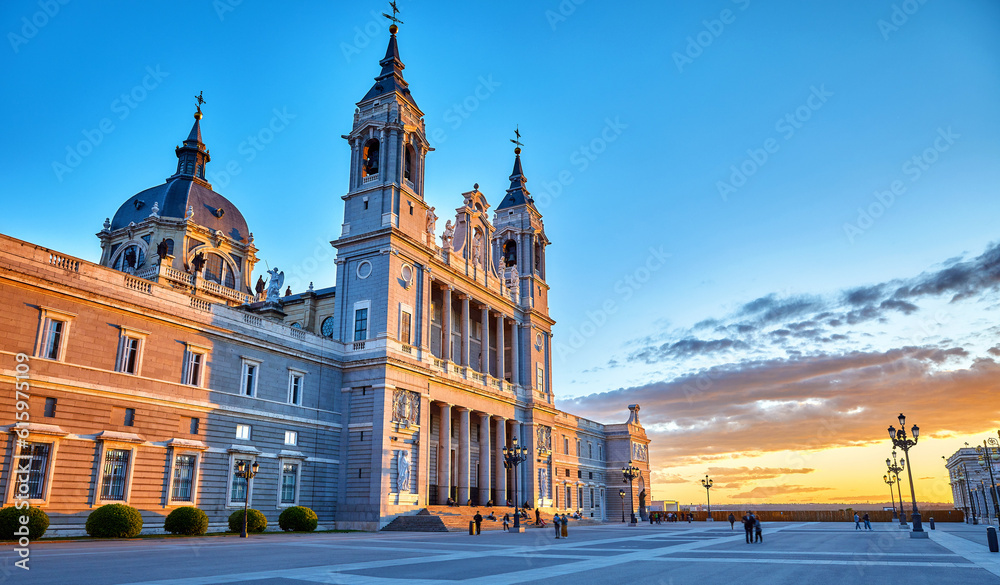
pixel 621 493
pixel 630 472
pixel 894 469
pixel 899 439
pixel 986 454
pixel 707 484
pixel 248 474
pixel 512 457
pixel 889 480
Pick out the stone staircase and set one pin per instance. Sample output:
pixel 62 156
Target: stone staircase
pixel 456 519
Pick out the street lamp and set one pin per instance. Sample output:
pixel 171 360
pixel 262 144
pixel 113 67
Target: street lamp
pixel 248 474
pixel 899 439
pixel 621 493
pixel 630 472
pixel 707 484
pixel 992 447
pixel 894 469
pixel 889 480
pixel 512 457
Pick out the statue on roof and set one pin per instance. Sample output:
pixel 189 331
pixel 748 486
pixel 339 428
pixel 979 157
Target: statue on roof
pixel 448 235
pixel 431 220
pixel 260 287
pixel 277 278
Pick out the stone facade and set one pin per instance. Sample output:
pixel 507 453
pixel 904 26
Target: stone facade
pixel 970 482
pixel 394 390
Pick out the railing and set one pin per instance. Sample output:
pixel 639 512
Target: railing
pixel 478 377
pixel 178 276
pixel 201 304
pixel 358 345
pixel 138 284
pixel 494 383
pixel 370 179
pixel 508 387
pixel 252 320
pixel 225 291
pixel 439 363
pixel 64 262
pixel 407 349
pixel 148 273
pixel 298 333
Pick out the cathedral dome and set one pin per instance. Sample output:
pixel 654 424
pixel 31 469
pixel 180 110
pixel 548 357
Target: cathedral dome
pixel 173 199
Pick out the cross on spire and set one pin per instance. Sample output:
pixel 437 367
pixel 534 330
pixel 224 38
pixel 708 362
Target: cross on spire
pixel 393 18
pixel 517 138
pixel 200 99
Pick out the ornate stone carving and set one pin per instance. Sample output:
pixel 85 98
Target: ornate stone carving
pixel 544 438
pixel 405 407
pixel 639 452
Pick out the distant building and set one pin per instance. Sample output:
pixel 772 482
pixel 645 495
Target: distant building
pixel 970 483
pixel 155 372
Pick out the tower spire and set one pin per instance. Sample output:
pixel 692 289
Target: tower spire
pixel 390 79
pixel 517 193
pixel 192 156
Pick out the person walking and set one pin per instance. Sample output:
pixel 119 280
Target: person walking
pixel 748 522
pixel 538 517
pixel 506 522
pixel 732 521
pixel 758 530
pixel 478 518
pixel 857 521
pixel 556 523
pixel 868 521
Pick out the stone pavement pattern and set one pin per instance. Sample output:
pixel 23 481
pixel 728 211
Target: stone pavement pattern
pixel 666 554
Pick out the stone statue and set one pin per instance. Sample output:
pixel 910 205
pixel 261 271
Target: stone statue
pixel 260 287
pixel 288 291
pixel 402 471
pixel 514 277
pixel 448 235
pixel 277 278
pixel 190 212
pixel 543 483
pixel 198 261
pixel 405 407
pixel 477 249
pixel 431 220
pixel 162 249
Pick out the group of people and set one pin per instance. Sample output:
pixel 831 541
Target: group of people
pixel 557 520
pixel 751 525
pixel 867 520
pixel 560 523
pixel 661 517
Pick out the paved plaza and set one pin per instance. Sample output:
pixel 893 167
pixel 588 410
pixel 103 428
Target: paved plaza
pixel 666 554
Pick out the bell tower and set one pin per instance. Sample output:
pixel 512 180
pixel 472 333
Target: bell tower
pixel 388 147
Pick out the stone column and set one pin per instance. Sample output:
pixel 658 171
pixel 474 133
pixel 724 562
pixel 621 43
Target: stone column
pixel 428 310
pixel 465 330
pixel 444 454
pixel 462 454
pixel 446 325
pixel 515 433
pixel 501 351
pixel 515 350
pixel 484 361
pixel 485 454
pixel 501 497
pixel 423 452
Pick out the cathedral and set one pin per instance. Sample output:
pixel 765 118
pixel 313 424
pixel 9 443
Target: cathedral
pixel 153 374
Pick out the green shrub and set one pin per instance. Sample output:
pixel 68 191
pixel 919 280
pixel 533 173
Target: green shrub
pixel 186 520
pixel 298 518
pixel 114 521
pixel 10 523
pixel 256 521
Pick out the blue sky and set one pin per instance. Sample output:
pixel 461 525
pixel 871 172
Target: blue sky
pixel 634 118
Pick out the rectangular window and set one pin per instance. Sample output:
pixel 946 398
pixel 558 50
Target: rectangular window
pixel 291 438
pixel 116 462
pixel 183 478
pixel 540 378
pixel 195 423
pixel 52 344
pixel 50 407
pixel 130 417
pixel 404 327
pixel 569 497
pixel 38 454
pixel 578 447
pixel 579 498
pixel 590 450
pixel 243 432
pixel 295 387
pixel 248 385
pixel 565 446
pixel 194 364
pixel 593 502
pixel 600 452
pixel 289 482
pixel 360 324
pixel 130 351
pixel 239 491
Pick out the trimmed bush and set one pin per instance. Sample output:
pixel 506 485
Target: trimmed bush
pixel 186 520
pixel 10 523
pixel 298 518
pixel 114 521
pixel 256 521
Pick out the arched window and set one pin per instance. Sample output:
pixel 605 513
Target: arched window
pixel 510 252
pixel 408 158
pixel 219 271
pixel 327 327
pixel 369 164
pixel 538 258
pixel 130 259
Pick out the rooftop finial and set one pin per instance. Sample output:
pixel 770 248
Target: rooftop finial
pixel 517 140
pixel 201 101
pixel 392 27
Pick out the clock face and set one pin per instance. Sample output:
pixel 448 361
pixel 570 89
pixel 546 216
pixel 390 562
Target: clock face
pixel 327 327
